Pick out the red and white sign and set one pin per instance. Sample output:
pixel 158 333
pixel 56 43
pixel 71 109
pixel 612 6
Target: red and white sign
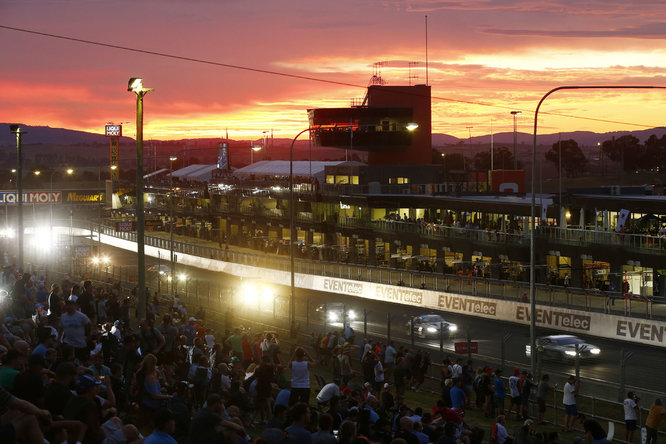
pixel 462 348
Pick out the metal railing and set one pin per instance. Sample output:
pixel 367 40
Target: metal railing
pixel 568 297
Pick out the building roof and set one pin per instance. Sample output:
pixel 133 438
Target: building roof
pixel 196 172
pixel 281 168
pixel 156 173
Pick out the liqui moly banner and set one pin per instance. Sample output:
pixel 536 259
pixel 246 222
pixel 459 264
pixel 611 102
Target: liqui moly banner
pixel 31 197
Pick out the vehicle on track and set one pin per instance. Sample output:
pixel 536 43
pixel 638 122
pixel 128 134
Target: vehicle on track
pixel 563 348
pixel 429 325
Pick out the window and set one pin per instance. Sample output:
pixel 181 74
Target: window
pixel 398 180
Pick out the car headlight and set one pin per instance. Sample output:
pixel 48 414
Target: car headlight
pixel 332 317
pixel 595 351
pixel 431 330
pixel 351 315
pixel 570 353
pixel 453 327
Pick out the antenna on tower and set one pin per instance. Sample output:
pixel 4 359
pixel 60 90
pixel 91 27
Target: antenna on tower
pixel 376 78
pixel 410 75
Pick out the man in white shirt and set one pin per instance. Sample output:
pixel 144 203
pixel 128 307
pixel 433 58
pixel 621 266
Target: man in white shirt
pixel 328 391
pixel 75 330
pixel 630 418
pixel 569 400
pixel 514 392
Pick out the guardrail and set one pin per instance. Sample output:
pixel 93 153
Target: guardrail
pixel 573 298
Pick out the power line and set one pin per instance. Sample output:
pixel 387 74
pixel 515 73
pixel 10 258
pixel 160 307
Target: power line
pixel 294 76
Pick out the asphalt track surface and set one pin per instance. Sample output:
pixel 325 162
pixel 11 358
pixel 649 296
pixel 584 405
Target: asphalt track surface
pixel 601 377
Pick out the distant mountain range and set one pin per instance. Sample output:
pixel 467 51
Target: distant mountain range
pixel 60 136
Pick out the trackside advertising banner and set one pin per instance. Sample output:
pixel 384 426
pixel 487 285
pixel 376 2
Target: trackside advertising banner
pixel 627 329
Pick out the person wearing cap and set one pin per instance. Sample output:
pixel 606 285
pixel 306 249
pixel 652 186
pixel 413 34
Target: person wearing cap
pixel 387 399
pixel 165 426
pixel 75 329
pixel 83 407
pixel 46 339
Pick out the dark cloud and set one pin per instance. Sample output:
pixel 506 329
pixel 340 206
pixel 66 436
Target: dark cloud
pixel 654 30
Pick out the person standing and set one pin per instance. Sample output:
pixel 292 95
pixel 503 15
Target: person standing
pixel 390 355
pixel 499 392
pixel 514 393
pixel 570 391
pixel 630 417
pixel 300 366
pixel 75 330
pixel 653 421
pixel 542 393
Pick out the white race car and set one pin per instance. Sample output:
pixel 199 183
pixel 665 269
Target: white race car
pixel 428 326
pixel 563 348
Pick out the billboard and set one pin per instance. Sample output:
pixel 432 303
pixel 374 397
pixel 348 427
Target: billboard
pixel 31 197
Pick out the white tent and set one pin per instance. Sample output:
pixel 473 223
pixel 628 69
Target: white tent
pixel 272 168
pixel 195 173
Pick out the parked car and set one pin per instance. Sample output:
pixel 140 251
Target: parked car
pixel 563 348
pixel 429 325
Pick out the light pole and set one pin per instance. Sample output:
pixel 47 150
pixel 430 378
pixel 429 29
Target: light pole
pixel 69 172
pixel 533 357
pixel 515 115
pixel 253 149
pixel 15 129
pixel 135 85
pixel 172 159
pixel 292 231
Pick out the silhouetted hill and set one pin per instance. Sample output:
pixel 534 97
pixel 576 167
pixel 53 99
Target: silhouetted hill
pixel 40 135
pixel 36 135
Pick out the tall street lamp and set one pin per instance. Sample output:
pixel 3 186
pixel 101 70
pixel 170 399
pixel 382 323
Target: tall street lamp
pixel 172 258
pixel 515 115
pixel 135 85
pixel 15 129
pixel 253 149
pixel 533 356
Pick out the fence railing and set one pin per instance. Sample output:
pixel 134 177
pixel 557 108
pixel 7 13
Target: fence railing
pixel 568 297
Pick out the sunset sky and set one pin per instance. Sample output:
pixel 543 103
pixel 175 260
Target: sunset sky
pixel 486 58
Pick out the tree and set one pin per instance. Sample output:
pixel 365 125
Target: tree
pixel 502 159
pixel 626 147
pixel 456 161
pixel 573 159
pixel 655 153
